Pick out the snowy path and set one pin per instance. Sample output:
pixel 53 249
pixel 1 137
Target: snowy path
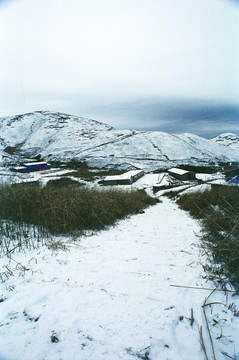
pixel 109 297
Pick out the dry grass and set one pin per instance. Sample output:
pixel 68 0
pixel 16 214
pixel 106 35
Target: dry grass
pixel 66 210
pixel 219 211
pixel 81 170
pixel 64 182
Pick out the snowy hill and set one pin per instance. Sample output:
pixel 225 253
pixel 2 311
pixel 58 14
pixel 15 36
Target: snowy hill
pixel 228 139
pixel 62 137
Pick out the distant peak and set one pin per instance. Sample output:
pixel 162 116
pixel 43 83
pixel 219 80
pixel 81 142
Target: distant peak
pixel 226 135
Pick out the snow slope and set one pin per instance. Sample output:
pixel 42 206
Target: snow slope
pixel 62 137
pixel 109 296
pixel 228 139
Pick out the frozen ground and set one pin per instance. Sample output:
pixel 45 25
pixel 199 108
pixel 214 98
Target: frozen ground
pixel 109 296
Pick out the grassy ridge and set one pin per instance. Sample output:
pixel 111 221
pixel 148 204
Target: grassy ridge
pixel 66 210
pixel 219 211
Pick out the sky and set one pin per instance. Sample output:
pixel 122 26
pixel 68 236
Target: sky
pixel 167 65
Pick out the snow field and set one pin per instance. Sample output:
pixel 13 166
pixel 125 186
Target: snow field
pixel 108 297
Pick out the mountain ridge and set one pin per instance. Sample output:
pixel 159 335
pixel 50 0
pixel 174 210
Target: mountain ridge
pixel 62 137
pixel 228 139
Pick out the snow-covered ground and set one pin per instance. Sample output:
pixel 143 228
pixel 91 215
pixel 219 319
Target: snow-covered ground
pixel 109 296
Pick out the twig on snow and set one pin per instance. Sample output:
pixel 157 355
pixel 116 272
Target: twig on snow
pixel 192 318
pixel 201 288
pixel 208 329
pixel 202 342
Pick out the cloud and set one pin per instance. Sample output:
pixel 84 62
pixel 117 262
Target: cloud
pixel 205 118
pixel 72 55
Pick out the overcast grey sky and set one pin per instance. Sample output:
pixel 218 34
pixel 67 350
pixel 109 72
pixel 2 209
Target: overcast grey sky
pixel 170 65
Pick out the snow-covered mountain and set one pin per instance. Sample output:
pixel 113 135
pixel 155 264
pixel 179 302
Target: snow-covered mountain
pixel 228 139
pixel 62 137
